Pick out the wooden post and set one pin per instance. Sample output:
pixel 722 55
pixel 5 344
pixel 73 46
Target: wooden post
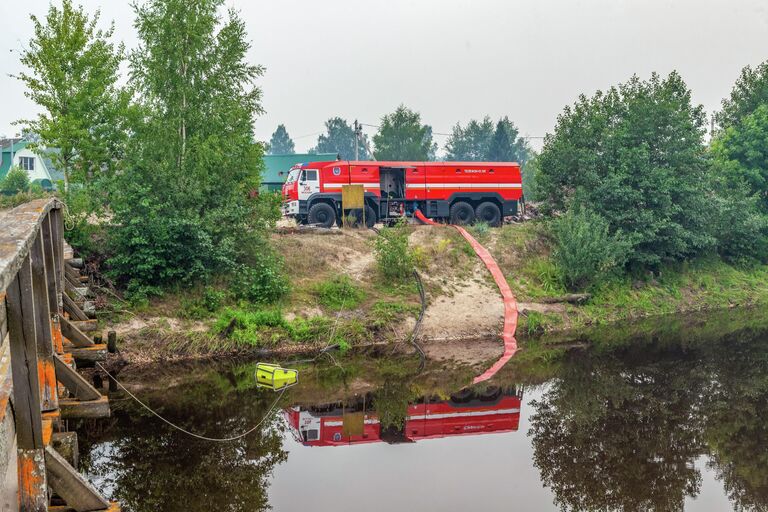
pixel 55 299
pixel 45 366
pixel 20 303
pixel 112 342
pixel 57 237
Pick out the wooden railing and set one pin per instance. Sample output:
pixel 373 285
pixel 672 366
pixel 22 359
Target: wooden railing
pixel 40 342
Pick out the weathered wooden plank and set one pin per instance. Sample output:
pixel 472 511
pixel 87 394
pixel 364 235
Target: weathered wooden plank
pixel 20 304
pixel 33 485
pixel 66 444
pixel 70 485
pixel 73 309
pixel 3 319
pixel 74 382
pixel 57 232
pixel 72 408
pixel 75 335
pixel 18 229
pixel 54 299
pixel 92 354
pixel 43 334
pixel 71 273
pixel 86 325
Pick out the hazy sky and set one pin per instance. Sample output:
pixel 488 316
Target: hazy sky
pixel 452 60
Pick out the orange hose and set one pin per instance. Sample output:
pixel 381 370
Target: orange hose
pixel 510 304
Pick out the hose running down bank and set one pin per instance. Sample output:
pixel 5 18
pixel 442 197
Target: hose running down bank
pixel 510 304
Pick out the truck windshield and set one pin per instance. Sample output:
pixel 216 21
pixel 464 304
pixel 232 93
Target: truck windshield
pixel 293 175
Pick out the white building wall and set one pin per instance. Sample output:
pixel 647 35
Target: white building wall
pixel 40 172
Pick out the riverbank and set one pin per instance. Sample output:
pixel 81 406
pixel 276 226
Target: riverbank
pixel 338 298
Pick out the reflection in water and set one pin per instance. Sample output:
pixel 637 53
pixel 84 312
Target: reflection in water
pixel 149 466
pixel 336 424
pixel 622 431
pixel 619 428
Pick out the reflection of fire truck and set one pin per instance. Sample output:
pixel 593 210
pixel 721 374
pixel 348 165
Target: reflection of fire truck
pixel 466 413
pixel 461 192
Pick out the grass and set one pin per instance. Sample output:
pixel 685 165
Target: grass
pixel 339 292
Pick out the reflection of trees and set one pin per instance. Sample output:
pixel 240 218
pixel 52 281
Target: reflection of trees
pixel 736 412
pixel 152 466
pixel 610 436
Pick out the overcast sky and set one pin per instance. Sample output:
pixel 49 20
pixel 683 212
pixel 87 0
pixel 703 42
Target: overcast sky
pixel 452 60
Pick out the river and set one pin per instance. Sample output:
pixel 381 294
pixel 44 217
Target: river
pixel 672 418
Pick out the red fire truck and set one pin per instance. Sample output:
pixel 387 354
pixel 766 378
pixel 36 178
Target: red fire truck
pixel 492 412
pixel 460 192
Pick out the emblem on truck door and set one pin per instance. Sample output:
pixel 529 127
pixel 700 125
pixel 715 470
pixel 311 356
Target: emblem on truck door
pixel 337 171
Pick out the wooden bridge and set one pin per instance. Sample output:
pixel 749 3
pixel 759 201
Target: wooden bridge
pixel 42 337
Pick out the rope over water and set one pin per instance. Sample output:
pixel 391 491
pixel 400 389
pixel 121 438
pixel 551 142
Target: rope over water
pixel 198 436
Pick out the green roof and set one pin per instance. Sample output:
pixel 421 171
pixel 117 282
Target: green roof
pixel 5 154
pixel 276 167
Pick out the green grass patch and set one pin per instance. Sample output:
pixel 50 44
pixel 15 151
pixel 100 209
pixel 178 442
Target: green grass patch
pixel 339 292
pixel 384 313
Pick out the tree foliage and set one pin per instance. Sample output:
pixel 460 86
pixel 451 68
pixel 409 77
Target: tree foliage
pixel 749 92
pixel 470 143
pixel 72 73
pixel 17 180
pixel 402 136
pixel 635 155
pixel 586 252
pixel 281 143
pixel 506 145
pixel 482 141
pixel 339 138
pixel 182 208
pixel 742 151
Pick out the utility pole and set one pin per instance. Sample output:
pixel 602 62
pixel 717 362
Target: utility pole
pixel 358 134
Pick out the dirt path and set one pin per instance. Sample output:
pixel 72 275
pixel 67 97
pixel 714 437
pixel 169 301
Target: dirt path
pixel 474 310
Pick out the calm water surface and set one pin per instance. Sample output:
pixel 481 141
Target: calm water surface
pixel 656 422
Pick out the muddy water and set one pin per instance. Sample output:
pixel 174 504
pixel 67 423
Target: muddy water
pixel 668 419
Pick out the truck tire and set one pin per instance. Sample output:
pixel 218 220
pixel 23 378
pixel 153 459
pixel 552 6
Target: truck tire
pixel 322 214
pixel 370 217
pixel 462 213
pixel 489 213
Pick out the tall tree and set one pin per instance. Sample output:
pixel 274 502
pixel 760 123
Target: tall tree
pixel 401 136
pixel 749 92
pixel 182 208
pixel 281 143
pixel 340 138
pixel 72 74
pixel 635 154
pixel 470 143
pixel 506 145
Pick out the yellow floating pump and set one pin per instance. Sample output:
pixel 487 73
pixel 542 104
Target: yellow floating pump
pixel 274 377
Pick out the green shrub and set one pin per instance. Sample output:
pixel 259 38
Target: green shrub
pixel 393 256
pixel 585 250
pixel 261 282
pixel 338 293
pixel 17 180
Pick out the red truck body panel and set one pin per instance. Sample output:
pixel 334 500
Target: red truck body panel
pixel 424 421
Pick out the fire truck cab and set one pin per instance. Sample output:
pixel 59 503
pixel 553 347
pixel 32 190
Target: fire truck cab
pixel 459 192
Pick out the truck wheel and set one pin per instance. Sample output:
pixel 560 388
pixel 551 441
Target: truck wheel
pixel 462 213
pixel 322 214
pixel 370 217
pixel 462 396
pixel 489 213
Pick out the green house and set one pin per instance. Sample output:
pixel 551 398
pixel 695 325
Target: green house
pixel 276 167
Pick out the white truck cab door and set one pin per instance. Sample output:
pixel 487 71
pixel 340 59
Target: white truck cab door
pixel 309 183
